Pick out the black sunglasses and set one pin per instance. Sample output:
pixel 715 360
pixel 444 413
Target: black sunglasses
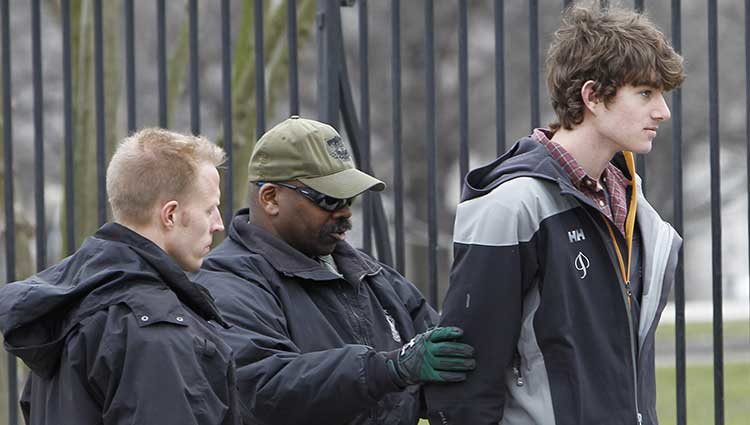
pixel 324 201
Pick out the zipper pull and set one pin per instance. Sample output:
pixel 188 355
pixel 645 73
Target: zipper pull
pixel 629 293
pixel 640 419
pixel 519 378
pixel 517 370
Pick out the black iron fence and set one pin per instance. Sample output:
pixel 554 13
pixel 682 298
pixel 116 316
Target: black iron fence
pixel 386 218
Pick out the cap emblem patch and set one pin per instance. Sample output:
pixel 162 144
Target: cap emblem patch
pixel 337 149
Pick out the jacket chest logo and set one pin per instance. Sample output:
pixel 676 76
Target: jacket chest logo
pixel 582 264
pixel 392 323
pixel 576 235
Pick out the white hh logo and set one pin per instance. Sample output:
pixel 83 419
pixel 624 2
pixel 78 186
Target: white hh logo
pixel 576 235
pixel 582 264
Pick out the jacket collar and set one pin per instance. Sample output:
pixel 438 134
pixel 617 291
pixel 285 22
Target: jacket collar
pixel 116 265
pixel 190 293
pixel 527 158
pixel 352 264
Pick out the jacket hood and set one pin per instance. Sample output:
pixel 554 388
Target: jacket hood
pixel 526 158
pixel 116 265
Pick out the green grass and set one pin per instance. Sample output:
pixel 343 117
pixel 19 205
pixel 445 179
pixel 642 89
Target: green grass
pixel 700 376
pixel 700 394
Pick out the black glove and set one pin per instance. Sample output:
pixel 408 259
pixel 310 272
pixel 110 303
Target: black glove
pixel 432 356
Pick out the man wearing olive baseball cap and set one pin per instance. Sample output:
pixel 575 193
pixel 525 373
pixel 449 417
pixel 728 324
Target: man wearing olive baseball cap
pixel 313 153
pixel 323 333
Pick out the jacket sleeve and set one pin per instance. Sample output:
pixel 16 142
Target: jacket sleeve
pixel 152 374
pixel 278 384
pixel 493 262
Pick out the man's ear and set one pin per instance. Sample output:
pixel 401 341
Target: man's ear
pixel 589 96
pixel 168 213
pixel 268 195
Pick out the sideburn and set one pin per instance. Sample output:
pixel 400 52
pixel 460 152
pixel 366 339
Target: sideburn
pixel 185 219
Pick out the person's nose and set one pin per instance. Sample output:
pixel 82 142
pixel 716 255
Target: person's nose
pixel 345 212
pixel 661 110
pixel 218 224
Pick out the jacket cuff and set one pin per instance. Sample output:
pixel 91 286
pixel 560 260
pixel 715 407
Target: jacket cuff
pixel 379 378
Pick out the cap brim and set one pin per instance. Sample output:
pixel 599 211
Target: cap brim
pixel 344 184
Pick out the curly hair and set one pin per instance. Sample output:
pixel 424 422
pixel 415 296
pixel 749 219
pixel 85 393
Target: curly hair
pixel 611 46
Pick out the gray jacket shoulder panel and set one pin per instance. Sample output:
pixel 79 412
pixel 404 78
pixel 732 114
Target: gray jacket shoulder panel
pixel 510 213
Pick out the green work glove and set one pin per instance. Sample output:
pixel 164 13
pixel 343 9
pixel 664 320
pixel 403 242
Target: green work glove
pixel 432 356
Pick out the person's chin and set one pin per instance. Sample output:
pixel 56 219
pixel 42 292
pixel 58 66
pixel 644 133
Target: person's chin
pixel 193 266
pixel 643 148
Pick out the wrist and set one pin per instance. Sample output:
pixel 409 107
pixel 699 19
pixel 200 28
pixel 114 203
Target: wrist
pixel 391 362
pixel 380 378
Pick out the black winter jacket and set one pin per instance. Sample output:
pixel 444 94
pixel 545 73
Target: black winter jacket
pixel 537 288
pixel 308 344
pixel 117 334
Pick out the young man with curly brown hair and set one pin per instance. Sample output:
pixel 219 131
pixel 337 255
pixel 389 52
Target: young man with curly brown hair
pixel 562 268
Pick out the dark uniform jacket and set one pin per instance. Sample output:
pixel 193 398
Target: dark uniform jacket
pixel 537 288
pixel 307 342
pixel 117 334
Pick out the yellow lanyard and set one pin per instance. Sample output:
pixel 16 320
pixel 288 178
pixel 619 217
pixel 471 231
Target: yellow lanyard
pixel 629 221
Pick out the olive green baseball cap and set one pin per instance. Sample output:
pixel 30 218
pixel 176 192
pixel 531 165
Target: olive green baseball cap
pixel 311 152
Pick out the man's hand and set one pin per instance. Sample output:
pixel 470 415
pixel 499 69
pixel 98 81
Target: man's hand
pixel 432 356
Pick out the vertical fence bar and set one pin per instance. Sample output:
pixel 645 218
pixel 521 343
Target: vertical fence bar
pixel 640 163
pixel 101 147
pixel 161 59
pixel 329 62
pixel 640 169
pixel 747 95
pixel 714 153
pixel 679 289
pixel 431 142
pixel 130 63
pixel 364 110
pixel 463 90
pixel 293 72
pixel 10 222
pixel 398 168
pixel 226 85
pixel 352 127
pixel 499 77
pixel 534 61
pixel 260 72
pixel 70 237
pixel 195 94
pixel 36 64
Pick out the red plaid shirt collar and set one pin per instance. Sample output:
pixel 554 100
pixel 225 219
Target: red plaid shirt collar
pixel 614 181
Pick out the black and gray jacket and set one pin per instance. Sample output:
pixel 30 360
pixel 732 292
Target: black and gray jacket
pixel 309 343
pixel 117 334
pixel 537 289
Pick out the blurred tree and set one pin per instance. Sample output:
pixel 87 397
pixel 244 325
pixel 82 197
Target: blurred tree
pixel 84 104
pixel 276 59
